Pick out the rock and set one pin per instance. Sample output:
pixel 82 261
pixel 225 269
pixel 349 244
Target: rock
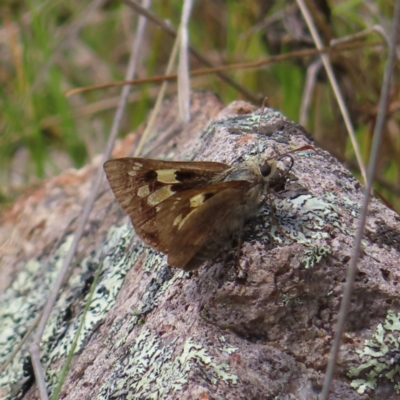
pixel 152 332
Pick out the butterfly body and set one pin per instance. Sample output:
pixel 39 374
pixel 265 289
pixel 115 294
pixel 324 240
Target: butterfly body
pixel 189 210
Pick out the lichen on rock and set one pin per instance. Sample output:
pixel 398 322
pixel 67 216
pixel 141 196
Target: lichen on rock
pixel 380 357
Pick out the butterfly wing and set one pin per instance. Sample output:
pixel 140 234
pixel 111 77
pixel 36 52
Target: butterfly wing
pixel 141 186
pixel 202 221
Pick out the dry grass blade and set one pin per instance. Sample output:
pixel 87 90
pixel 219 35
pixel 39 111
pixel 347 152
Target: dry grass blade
pixel 160 97
pixel 183 76
pixel 345 303
pixel 34 348
pixel 360 35
pixel 309 86
pixel 335 86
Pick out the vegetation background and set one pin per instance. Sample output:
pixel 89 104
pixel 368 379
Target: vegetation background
pixel 48 47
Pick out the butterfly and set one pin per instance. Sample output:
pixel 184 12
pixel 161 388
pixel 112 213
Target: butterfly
pixel 192 210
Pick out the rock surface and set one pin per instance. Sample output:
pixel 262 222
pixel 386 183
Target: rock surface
pixel 152 332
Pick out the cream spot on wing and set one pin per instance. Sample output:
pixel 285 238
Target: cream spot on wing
pixel 166 176
pixel 177 220
pixel 159 195
pixel 143 191
pixel 185 219
pixel 197 200
pixel 137 166
pixel 132 173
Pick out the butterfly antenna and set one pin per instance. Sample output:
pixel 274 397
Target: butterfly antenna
pixel 291 164
pixel 303 148
pixel 287 154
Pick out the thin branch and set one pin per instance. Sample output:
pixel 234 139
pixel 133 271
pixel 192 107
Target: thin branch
pixel 213 70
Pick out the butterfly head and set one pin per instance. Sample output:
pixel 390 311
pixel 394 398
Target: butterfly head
pixel 268 169
pixel 252 170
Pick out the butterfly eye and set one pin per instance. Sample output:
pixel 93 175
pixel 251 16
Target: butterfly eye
pixel 265 170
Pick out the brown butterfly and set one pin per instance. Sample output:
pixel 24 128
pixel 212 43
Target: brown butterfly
pixel 191 210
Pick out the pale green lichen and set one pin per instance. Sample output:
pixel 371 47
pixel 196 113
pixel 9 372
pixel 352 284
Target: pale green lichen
pixel 297 302
pixel 226 348
pixel 343 201
pixel 286 298
pixel 380 357
pixel 392 322
pixel 163 278
pixel 27 295
pixel 153 370
pixel 313 256
pixel 19 306
pixel 302 220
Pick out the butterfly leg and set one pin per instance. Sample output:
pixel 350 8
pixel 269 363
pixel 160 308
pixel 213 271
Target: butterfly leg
pixel 241 268
pixel 276 194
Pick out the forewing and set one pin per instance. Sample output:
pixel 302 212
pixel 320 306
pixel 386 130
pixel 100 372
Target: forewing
pixel 200 219
pixel 141 186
